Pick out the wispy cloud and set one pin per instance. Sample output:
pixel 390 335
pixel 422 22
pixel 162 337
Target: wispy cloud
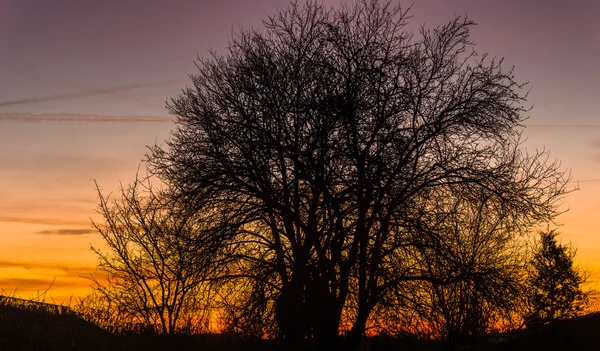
pixel 36 220
pixel 74 232
pixel 68 270
pixel 563 126
pixel 76 117
pixel 28 284
pixel 59 163
pixel 84 93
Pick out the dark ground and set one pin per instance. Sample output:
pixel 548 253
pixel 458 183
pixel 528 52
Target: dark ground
pixel 36 327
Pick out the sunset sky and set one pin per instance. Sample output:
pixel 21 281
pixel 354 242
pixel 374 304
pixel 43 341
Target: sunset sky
pixel 83 86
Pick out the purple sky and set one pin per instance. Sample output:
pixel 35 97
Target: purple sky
pixel 83 86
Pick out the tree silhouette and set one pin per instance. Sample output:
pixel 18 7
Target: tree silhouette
pixel 325 136
pixel 555 283
pixel 157 258
pixel 471 251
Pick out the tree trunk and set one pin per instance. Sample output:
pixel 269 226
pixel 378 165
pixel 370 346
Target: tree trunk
pixel 353 338
pixel 326 322
pixel 290 312
pixel 325 312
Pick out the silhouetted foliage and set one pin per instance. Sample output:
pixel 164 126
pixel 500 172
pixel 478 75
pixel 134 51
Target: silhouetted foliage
pixel 249 310
pixel 555 284
pixel 158 261
pixel 326 141
pixel 475 259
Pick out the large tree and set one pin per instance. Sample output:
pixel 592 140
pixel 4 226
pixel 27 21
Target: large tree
pixel 325 134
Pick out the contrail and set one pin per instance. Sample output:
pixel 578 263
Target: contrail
pixel 562 126
pixel 67 232
pixel 85 93
pixel 75 117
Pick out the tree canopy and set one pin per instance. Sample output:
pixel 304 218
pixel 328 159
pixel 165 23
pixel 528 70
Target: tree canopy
pixel 332 142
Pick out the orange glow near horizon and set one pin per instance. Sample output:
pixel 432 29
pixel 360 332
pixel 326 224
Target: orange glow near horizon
pixel 38 257
pixel 48 250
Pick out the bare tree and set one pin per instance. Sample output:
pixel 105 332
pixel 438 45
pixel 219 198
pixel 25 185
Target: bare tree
pixel 157 258
pixel 324 134
pixel 473 253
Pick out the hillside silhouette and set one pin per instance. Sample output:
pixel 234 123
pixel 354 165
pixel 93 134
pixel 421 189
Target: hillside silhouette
pixel 580 333
pixel 34 325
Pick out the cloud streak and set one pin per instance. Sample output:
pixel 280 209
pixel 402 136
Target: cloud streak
pixel 562 126
pixel 67 270
pixel 68 232
pixel 34 220
pixel 29 284
pixel 77 117
pixel 85 93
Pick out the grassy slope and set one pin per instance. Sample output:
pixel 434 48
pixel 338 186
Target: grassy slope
pixel 33 327
pixel 27 325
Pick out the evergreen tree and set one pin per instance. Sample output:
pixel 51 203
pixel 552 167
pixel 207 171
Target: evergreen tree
pixel 556 291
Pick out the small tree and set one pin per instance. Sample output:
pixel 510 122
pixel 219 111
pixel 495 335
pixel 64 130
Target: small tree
pixel 555 283
pixel 477 267
pixel 157 261
pixel 470 251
